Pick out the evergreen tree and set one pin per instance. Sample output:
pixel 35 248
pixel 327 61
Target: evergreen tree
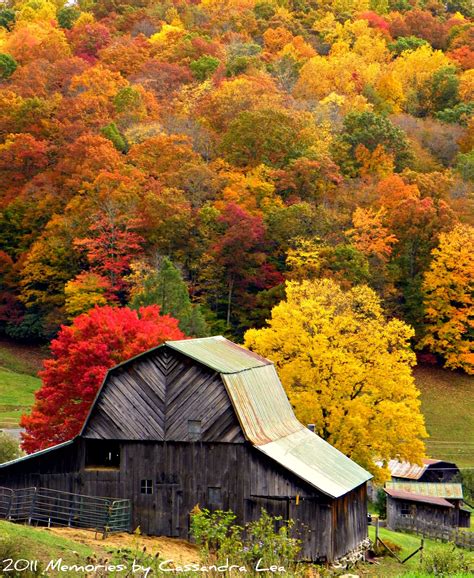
pixel 165 287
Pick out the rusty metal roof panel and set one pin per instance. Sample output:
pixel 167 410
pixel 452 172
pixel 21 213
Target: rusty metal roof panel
pixel 436 490
pixel 411 497
pixel 262 407
pixel 316 462
pixel 268 421
pixel 219 354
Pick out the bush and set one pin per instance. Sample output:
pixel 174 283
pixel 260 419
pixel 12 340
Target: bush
pixel 9 448
pixel 443 561
pixel 267 539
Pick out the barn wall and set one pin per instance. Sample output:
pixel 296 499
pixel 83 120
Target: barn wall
pixel 214 475
pixel 349 515
pixel 419 512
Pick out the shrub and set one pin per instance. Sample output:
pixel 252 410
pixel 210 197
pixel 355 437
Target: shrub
pixel 9 448
pixel 443 561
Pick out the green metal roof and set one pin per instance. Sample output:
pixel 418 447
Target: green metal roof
pixel 435 490
pixel 317 462
pixel 262 407
pixel 219 354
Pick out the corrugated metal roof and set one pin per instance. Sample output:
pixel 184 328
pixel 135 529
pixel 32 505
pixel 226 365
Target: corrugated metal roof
pixel 219 354
pixel 411 497
pixel 317 462
pixel 408 470
pixel 262 406
pixel 438 490
pixel 38 453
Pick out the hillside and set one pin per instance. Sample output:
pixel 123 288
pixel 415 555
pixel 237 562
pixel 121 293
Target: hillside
pixel 446 397
pixel 19 366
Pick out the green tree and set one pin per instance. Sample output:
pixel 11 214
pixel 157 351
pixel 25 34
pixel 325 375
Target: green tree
pixel 67 16
pixel 372 130
pixel 9 448
pixel 264 136
pixel 8 65
pixel 165 287
pixel 204 67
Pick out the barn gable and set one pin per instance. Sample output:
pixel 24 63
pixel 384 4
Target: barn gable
pixel 156 396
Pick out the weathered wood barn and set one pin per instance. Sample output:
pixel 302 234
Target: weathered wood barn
pixel 425 504
pixel 204 421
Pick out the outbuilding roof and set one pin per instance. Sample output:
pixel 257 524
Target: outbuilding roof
pixel 451 491
pixel 412 497
pixel 400 469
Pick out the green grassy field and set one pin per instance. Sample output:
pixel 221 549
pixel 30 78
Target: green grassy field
pixel 447 399
pixel 19 366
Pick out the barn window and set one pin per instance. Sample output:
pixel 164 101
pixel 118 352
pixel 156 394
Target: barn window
pixel 194 429
pixel 102 454
pixel 405 510
pixel 214 497
pixel 146 487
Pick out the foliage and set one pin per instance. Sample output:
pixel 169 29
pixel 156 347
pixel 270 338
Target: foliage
pixel 449 299
pixel 165 287
pixel 269 539
pixel 381 503
pixel 81 356
pixel 346 369
pixel 134 129
pixel 372 130
pixel 8 65
pixel 9 448
pixel 445 562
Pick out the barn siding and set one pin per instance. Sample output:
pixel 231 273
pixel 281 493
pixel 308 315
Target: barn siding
pixel 154 397
pixel 349 521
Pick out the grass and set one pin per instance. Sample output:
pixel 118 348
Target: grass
pixel 16 396
pixel 391 568
pixel 42 545
pixel 446 399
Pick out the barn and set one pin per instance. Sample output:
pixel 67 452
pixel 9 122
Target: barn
pixel 430 470
pixel 205 421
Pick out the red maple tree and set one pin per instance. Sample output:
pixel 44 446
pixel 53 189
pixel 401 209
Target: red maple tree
pixel 81 356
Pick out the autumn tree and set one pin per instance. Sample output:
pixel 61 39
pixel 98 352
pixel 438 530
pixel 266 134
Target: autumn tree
pixel 449 299
pixel 347 370
pixel 81 355
pixel 165 286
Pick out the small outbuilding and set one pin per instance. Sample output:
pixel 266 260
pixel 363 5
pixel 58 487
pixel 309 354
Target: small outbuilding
pixel 205 421
pixel 418 504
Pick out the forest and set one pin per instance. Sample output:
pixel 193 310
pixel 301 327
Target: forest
pixel 270 170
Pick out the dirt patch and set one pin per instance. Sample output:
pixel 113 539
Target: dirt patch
pixel 168 548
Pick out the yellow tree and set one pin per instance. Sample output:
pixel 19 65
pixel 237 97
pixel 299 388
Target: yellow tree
pixel 347 370
pixel 449 299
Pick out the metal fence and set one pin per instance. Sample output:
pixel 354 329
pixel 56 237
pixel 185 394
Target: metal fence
pixel 47 507
pixel 462 538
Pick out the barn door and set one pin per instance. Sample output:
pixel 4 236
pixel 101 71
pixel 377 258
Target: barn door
pixel 168 506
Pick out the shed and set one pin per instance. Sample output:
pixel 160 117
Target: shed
pixel 425 504
pixel 205 421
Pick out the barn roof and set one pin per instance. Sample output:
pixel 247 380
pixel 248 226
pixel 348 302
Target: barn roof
pixel 267 418
pixel 400 469
pixel 451 491
pixel 412 497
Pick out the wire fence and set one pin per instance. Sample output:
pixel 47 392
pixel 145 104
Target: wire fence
pixel 42 506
